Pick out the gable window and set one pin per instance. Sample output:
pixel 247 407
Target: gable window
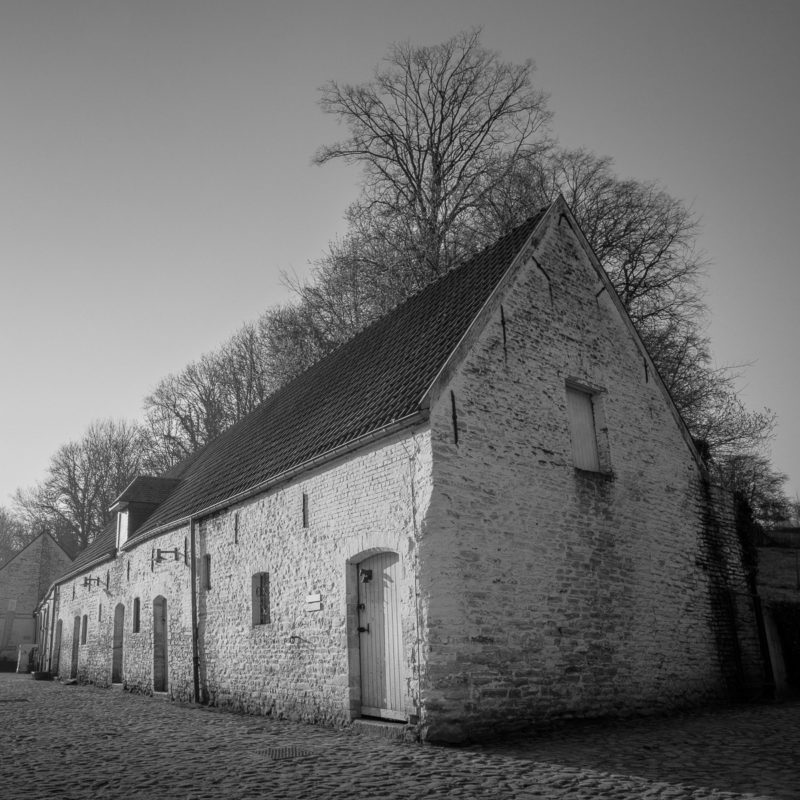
pixel 580 411
pixel 84 628
pixel 261 599
pixel 136 617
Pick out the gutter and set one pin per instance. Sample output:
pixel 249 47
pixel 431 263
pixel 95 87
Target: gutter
pixel 84 567
pixel 283 477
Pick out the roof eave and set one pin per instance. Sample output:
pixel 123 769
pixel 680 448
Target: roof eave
pixel 565 211
pixel 410 420
pixel 481 318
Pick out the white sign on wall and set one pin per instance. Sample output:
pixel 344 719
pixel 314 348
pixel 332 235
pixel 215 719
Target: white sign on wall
pixel 314 602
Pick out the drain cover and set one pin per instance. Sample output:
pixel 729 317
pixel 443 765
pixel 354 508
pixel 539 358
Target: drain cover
pixel 288 751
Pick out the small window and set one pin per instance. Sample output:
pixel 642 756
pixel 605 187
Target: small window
pixel 261 598
pixel 305 510
pixel 100 612
pixel 582 429
pixel 205 575
pixel 84 628
pixel 136 619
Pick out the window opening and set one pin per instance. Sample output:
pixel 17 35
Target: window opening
pixel 84 628
pixel 205 577
pixel 582 429
pixel 136 620
pixel 261 610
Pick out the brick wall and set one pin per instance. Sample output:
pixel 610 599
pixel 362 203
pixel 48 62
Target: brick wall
pixel 549 591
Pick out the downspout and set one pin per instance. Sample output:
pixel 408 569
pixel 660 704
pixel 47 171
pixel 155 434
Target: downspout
pixel 193 591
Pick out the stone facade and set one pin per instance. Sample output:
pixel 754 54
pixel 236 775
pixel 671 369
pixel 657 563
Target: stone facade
pixel 303 664
pixel 549 590
pixel 23 580
pixel 527 588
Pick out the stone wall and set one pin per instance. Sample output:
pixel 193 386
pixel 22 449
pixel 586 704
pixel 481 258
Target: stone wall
pixel 550 591
pixel 304 663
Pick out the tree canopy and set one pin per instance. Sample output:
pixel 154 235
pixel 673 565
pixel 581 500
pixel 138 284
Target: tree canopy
pixel 455 149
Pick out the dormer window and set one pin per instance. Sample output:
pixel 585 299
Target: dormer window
pixel 141 497
pixel 122 527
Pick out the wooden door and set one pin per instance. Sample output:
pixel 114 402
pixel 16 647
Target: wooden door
pixel 380 637
pixel 160 667
pixel 56 650
pixel 76 638
pixel 119 631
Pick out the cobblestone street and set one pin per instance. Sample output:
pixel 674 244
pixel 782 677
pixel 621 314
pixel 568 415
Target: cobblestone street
pixel 65 742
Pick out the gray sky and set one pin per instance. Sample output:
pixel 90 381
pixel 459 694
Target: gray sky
pixel 155 174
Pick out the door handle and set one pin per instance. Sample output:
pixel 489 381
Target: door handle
pixel 363 630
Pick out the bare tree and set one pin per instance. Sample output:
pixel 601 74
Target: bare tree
pixel 14 535
pixel 188 409
pixel 752 477
pixel 435 130
pixel 83 479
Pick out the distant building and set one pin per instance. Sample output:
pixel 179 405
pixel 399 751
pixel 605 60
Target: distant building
pixel 482 512
pixel 779 593
pixel 23 580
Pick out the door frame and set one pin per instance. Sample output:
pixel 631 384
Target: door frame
pixel 56 648
pixel 118 643
pixel 76 639
pixel 160 648
pixel 354 638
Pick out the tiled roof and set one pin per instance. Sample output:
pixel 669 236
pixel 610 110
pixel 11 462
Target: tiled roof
pixel 148 489
pixel 103 545
pixel 376 378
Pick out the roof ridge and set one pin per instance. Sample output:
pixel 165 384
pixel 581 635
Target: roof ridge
pixel 367 383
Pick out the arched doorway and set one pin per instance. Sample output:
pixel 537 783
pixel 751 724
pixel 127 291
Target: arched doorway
pixel 76 638
pixel 160 665
pixel 380 637
pixel 119 630
pixel 56 652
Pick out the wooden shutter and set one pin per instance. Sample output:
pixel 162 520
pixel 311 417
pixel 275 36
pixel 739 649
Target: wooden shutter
pixel 581 428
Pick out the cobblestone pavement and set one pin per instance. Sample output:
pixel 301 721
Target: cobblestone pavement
pixel 63 742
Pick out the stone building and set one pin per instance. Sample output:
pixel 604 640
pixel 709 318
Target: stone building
pixel 23 579
pixel 482 512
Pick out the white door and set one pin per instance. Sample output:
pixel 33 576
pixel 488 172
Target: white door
pixel 380 637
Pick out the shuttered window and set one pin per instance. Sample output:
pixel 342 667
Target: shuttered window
pixel 261 598
pixel 582 430
pixel 205 572
pixel 136 617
